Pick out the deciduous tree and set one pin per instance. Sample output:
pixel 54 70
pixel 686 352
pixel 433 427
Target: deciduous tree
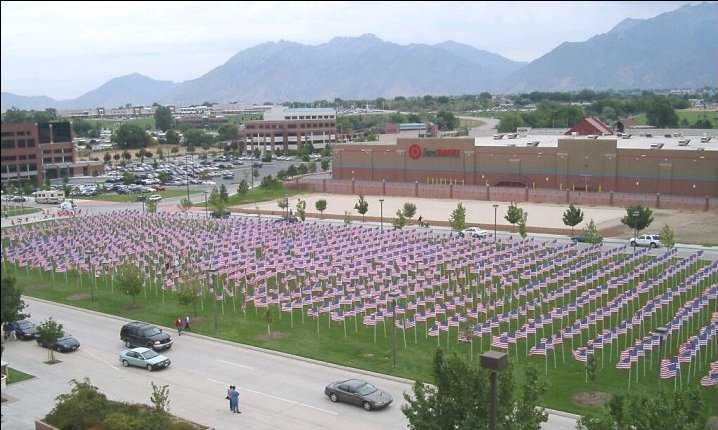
pixel 513 214
pixel 362 207
pixel 321 205
pixel 457 220
pixel 668 237
pixel 572 217
pixel 49 331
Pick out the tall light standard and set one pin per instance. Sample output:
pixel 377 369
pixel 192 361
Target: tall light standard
pixel 186 174
pixel 635 214
pixel 94 280
pixel 286 206
pixel 394 296
pixel 496 207
pixel 493 361
pixel 206 208
pixel 212 274
pixel 381 214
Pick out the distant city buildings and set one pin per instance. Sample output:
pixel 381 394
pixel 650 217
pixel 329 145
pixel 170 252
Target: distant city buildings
pixel 38 151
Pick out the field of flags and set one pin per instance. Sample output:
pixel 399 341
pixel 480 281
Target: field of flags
pixel 553 303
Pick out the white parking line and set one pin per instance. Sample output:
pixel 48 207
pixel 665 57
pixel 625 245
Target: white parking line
pixel 236 364
pixel 294 402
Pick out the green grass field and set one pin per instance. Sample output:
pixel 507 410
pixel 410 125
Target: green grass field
pixel 359 346
pixel 8 211
pixel 690 115
pixel 14 376
pixel 255 195
pixel 124 198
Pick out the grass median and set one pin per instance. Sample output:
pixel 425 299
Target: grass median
pixel 353 344
pixel 15 211
pixel 14 376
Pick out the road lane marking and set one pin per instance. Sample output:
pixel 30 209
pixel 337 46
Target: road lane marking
pixel 294 402
pixel 236 364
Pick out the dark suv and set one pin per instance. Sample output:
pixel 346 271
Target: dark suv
pixel 137 333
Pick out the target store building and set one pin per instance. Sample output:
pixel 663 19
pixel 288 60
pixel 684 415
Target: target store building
pixel 667 164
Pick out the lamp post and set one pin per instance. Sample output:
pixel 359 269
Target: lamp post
pixel 92 284
pixel 211 273
pixel 206 204
pixel 493 361
pixel 635 214
pixel 662 333
pixel 186 174
pixel 394 296
pixel 381 214
pixel 286 206
pixel 496 207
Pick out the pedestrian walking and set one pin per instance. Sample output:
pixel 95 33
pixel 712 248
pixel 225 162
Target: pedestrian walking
pixel 234 400
pixel 229 391
pixel 186 322
pixel 179 323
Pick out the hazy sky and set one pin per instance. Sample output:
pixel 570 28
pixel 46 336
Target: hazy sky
pixel 64 49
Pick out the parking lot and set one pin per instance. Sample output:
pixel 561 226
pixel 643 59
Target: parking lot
pixel 151 176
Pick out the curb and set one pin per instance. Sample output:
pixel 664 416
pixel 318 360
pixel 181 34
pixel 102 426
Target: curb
pixel 273 352
pixel 237 344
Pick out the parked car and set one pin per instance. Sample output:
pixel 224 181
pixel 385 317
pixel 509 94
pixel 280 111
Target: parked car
pixel 155 198
pixel 358 392
pixel 474 232
pixel 650 240
pixel 18 199
pixel 582 238
pixel 137 334
pixel 144 357
pixel 66 343
pixel 228 176
pixel 25 330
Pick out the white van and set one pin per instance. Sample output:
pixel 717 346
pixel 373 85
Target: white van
pixel 50 196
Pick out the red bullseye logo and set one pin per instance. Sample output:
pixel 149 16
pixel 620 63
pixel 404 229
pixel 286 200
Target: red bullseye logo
pixel 414 151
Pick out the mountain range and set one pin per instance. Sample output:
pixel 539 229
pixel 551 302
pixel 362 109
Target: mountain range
pixel 676 49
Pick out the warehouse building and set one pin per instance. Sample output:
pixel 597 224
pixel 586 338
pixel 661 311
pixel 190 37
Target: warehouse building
pixel 651 163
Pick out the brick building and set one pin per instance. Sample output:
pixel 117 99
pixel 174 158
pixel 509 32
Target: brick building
pixel 36 151
pixel 283 127
pixel 639 164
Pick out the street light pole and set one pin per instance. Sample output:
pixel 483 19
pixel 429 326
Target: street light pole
pixel 635 214
pixel 186 174
pixel 493 361
pixel 206 209
pixel 394 296
pixel 381 214
pixel 495 211
pixel 212 275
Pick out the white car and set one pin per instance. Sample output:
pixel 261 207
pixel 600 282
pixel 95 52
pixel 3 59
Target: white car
pixel 154 198
pixel 650 240
pixel 475 232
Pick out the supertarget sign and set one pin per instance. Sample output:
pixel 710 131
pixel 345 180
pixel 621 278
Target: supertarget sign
pixel 416 152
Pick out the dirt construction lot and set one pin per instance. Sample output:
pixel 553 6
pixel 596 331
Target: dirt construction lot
pixel 691 227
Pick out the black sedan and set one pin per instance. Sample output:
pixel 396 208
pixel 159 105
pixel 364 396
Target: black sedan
pixel 25 330
pixel 582 239
pixel 358 392
pixel 66 343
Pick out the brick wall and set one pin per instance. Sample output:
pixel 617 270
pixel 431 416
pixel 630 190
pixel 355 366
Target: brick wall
pixel 505 194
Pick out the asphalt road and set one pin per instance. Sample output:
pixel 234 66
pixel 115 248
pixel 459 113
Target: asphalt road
pixel 277 392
